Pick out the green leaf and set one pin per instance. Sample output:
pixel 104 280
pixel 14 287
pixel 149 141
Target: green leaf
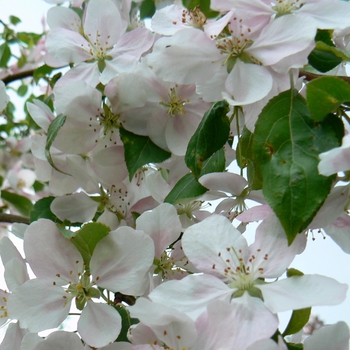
pixel 324 95
pixel 211 135
pixel 147 9
pixel 286 145
pixel 41 210
pixel 54 128
pixel 22 204
pixel 14 20
pixel 299 318
pixel 204 6
pixel 30 39
pixel 139 151
pixel 87 237
pixel 41 72
pixel 22 90
pixel 325 36
pixel 244 156
pixel 5 55
pixel 187 187
pixel 127 321
pixel 215 163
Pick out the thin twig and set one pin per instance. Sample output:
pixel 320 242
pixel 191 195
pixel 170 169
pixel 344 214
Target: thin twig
pixel 14 219
pixel 13 77
pixel 311 76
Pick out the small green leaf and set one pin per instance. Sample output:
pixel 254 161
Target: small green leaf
pixel 147 9
pixel 325 94
pixel 22 90
pixel 127 321
pixel 41 72
pixel 54 128
pixel 215 163
pixel 187 187
pixel 299 318
pixel 204 6
pixel 5 55
pixel 87 237
pixel 66 233
pixel 286 145
pixel 211 135
pixel 139 151
pixel 244 156
pixel 22 204
pixel 41 210
pixel 14 20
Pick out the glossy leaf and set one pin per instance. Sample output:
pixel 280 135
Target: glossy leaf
pixel 139 151
pixel 286 145
pixel 324 95
pixel 52 132
pixel 211 135
pixel 147 9
pixel 187 187
pixel 41 210
pixel 22 204
pixel 300 317
pixel 87 238
pixel 127 321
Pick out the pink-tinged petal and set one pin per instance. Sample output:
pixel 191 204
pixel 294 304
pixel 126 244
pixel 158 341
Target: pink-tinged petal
pixel 173 328
pixel 103 24
pixel 257 213
pixel 62 17
pixel 335 337
pixel 187 57
pixel 13 337
pixel 162 224
pixel 50 255
pixel 270 253
pixel 332 208
pixel 60 341
pixel 335 160
pixel 121 260
pixel 224 182
pixel 214 244
pixel 99 324
pixel 247 83
pixel 15 273
pixel 78 101
pixel 126 91
pixel 41 113
pixel 109 165
pixel 87 72
pixel 38 305
pixel 328 14
pixel 339 231
pixel 76 207
pixel 8 251
pixel 239 324
pixel 68 46
pixel 156 128
pixel 191 294
pixel 265 344
pixel 284 36
pixel 299 292
pixel 142 334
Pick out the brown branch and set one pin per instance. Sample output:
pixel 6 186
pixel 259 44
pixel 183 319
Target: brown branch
pixel 311 76
pixel 13 77
pixel 14 219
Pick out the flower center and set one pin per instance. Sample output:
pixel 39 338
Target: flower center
pixel 195 18
pixel 175 104
pixel 285 7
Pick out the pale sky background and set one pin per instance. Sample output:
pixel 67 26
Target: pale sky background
pixel 321 256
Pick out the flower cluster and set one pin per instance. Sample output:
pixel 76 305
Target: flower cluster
pixel 126 177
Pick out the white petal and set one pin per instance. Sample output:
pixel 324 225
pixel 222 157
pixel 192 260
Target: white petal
pixel 38 305
pixel 299 292
pixel 50 255
pixel 13 337
pixel 121 260
pixel 60 341
pixel 335 337
pixel 99 324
